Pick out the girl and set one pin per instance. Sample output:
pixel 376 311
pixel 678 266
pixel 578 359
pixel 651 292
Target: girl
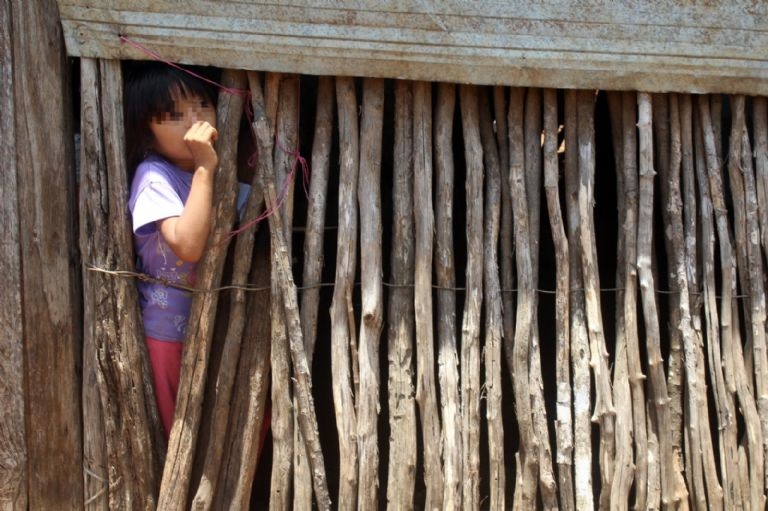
pixel 170 121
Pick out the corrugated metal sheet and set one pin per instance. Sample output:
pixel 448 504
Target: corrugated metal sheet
pixel 640 45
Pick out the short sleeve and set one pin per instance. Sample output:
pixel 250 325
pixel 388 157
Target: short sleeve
pixel 155 201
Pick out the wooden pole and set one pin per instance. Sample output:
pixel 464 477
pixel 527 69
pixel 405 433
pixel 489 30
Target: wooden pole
pixel 426 393
pixel 401 472
pixel 342 313
pixel 445 279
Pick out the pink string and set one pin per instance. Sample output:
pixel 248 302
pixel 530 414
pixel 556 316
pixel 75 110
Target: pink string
pixel 299 160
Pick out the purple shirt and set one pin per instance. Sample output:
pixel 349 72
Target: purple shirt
pixel 159 190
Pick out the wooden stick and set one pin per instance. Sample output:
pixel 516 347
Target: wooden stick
pixel 302 382
pixel 426 393
pixel 579 338
pixel 695 368
pixel 760 133
pixel 506 234
pixel 282 98
pixel 369 202
pixel 622 121
pixel 604 411
pixel 313 261
pixel 342 320
pixel 673 215
pixel 753 272
pixel 120 434
pixel 723 401
pixel 528 455
pixel 445 279
pixel 249 400
pixel 471 320
pixel 402 405
pixel 564 424
pixel 174 487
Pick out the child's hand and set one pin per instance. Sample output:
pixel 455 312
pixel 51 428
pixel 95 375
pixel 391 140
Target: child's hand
pixel 200 138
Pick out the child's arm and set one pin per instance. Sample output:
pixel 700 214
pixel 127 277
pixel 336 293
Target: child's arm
pixel 187 234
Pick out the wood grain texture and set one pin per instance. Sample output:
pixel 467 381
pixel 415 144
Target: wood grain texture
pixel 640 45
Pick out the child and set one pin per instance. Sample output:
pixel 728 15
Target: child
pixel 170 121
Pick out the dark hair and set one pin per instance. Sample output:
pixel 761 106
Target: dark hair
pixel 148 93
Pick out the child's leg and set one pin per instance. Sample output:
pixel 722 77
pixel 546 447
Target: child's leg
pixel 165 359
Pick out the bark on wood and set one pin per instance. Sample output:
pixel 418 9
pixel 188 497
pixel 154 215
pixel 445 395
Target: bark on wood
pixel 729 321
pixel 754 273
pixel 685 185
pixel 723 400
pixel 45 190
pixel 563 393
pixel 181 445
pixel 426 392
pixel 313 259
pixel 13 449
pixel 369 203
pixel 401 472
pixel 445 279
pixel 604 411
pixel 578 326
pixel 249 400
pixel 342 313
pixel 672 486
pixel 760 133
pixel 303 386
pixel 506 235
pixel 493 323
pixel 532 126
pixel 471 319
pixel 528 455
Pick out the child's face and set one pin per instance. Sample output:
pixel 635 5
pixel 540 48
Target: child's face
pixel 169 130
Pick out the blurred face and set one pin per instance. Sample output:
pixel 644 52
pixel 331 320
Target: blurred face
pixel 171 127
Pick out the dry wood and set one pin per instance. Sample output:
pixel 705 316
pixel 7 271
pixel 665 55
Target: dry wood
pixel 528 455
pixel 91 163
pixel 686 187
pixel 48 310
pixel 506 234
pixel 673 488
pixel 401 474
pixel 426 392
pixel 493 322
pixel 624 139
pixel 760 131
pixel 471 319
pixel 564 424
pixel 281 99
pixel 13 451
pixel 604 411
pixel 313 260
pixel 127 401
pixel 729 334
pixel 723 400
pixel 174 487
pixel 369 203
pixel 342 318
pixel 445 279
pixel 533 171
pixel 741 159
pixel 680 312
pixel 305 409
pixel 578 325
pixel 242 451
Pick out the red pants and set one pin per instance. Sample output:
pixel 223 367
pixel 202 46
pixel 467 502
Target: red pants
pixel 165 359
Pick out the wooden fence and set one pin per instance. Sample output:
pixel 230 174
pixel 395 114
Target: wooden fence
pixel 484 297
pixel 478 354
